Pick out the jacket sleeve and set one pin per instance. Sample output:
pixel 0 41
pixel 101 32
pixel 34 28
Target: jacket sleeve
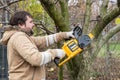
pixel 29 51
pixel 48 40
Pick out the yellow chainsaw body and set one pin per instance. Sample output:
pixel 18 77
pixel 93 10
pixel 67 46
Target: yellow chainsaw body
pixel 71 48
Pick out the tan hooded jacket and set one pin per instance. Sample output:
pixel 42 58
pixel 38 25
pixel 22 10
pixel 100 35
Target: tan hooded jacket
pixel 24 56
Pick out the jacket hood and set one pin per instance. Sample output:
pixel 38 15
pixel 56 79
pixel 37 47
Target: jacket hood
pixel 7 34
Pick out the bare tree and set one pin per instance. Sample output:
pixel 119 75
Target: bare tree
pixel 58 10
pixel 102 20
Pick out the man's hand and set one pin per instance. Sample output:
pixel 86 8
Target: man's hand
pixel 60 53
pixel 70 34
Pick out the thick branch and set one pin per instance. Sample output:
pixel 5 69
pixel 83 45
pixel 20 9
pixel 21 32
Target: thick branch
pixel 64 11
pixel 104 6
pixel 106 19
pixel 104 39
pixel 87 16
pixel 54 13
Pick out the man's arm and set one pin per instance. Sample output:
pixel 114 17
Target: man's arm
pixel 30 53
pixel 48 40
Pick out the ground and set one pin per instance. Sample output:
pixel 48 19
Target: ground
pixel 112 70
pixel 52 72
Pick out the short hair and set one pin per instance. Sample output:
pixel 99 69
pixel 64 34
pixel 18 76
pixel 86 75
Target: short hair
pixel 19 18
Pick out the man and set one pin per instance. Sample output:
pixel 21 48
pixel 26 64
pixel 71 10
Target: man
pixel 26 60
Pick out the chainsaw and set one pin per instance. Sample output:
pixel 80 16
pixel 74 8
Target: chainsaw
pixel 74 46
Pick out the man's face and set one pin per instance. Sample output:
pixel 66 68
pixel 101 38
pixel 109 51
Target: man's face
pixel 28 26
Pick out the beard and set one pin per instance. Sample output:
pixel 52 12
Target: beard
pixel 31 32
pixel 28 31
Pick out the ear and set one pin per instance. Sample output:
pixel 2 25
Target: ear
pixel 21 25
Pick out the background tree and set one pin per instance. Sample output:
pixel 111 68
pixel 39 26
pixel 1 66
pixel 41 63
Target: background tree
pixel 78 65
pixel 95 16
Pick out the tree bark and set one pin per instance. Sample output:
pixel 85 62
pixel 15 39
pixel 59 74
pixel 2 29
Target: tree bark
pixel 60 17
pixel 103 22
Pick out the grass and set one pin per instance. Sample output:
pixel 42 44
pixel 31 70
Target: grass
pixel 114 49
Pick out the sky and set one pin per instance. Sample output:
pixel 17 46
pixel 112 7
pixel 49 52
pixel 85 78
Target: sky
pixel 114 0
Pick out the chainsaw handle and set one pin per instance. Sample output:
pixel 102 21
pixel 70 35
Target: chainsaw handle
pixel 56 61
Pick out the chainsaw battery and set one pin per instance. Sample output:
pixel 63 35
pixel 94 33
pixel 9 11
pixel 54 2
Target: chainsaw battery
pixel 71 48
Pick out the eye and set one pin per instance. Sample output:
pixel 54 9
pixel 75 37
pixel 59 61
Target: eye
pixel 31 21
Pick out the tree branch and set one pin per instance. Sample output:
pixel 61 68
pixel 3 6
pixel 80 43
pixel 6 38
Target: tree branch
pixel 104 39
pixel 54 13
pixel 5 6
pixel 64 10
pixel 43 27
pixel 87 15
pixel 104 6
pixel 103 22
pixel 118 3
